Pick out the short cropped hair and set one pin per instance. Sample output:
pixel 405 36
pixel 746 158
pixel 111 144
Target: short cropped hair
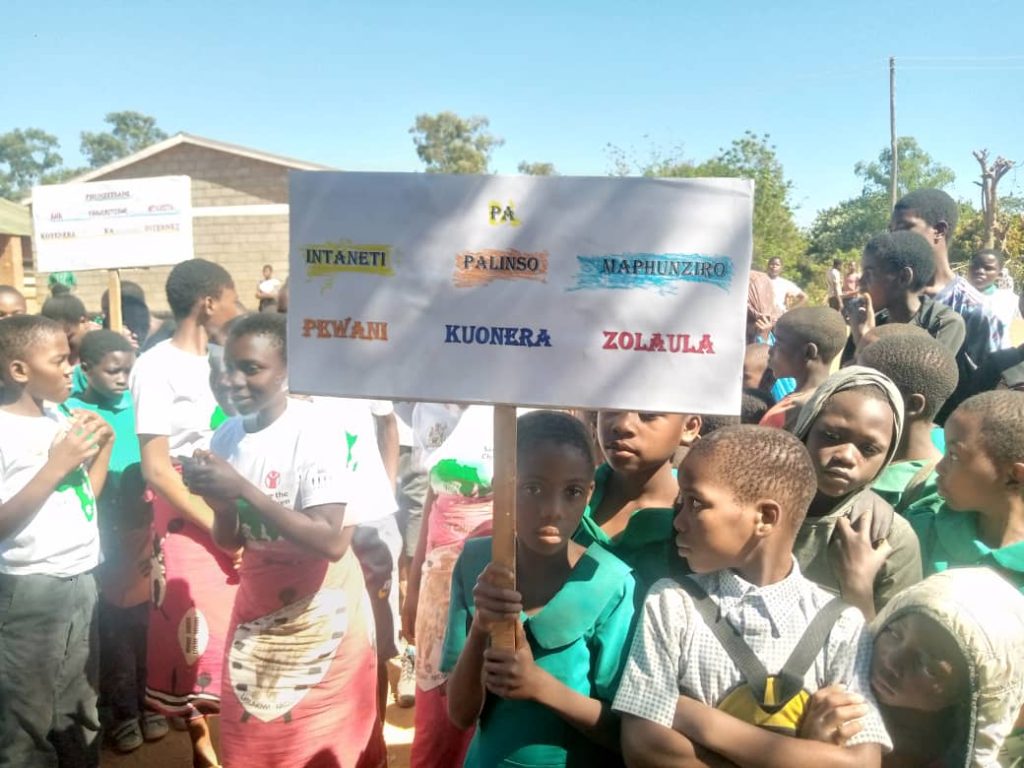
pixel 98 344
pixel 711 422
pixel 999 255
pixel 932 206
pixel 1001 412
pixel 902 249
pixel 554 427
pixel 272 326
pixel 761 462
pixel 19 332
pixel 64 308
pixel 821 326
pixel 193 280
pixel 899 329
pixel 129 290
pixel 917 366
pixel 754 404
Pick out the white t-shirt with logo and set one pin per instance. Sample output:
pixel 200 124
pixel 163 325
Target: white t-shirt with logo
pixel 172 395
pixel 61 539
pixel 431 425
pixel 352 421
pixel 293 461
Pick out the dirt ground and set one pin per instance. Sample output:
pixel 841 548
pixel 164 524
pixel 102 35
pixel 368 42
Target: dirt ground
pixel 174 750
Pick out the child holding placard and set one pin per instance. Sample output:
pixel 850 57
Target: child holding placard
pixel 548 703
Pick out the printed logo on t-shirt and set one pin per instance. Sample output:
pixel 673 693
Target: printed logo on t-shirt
pixel 436 435
pixel 272 479
pixel 77 481
pixel 350 459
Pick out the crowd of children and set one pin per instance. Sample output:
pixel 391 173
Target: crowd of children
pixel 834 577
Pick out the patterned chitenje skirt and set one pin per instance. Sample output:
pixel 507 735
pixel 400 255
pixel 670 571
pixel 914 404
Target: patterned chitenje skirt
pixel 194 587
pixel 300 669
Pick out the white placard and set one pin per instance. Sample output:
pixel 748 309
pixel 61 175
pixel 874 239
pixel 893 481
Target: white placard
pixel 559 291
pixel 112 224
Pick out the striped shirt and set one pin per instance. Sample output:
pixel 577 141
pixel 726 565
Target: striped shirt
pixel 676 654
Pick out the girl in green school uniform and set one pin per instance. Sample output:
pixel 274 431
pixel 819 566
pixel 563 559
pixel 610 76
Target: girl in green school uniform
pixel 632 508
pixel 549 702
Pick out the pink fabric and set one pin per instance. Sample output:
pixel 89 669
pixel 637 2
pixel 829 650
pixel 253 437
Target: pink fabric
pixel 300 668
pixel 437 742
pixel 454 518
pixel 194 587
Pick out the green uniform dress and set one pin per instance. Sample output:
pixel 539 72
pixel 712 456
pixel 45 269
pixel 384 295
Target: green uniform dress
pixel 126 456
pixel 949 539
pixel 647 544
pixel 892 485
pixel 580 637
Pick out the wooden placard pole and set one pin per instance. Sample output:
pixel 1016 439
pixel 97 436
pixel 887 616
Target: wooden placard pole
pixel 503 546
pixel 114 320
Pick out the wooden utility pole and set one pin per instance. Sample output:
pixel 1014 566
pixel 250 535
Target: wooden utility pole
pixel 990 176
pixel 894 173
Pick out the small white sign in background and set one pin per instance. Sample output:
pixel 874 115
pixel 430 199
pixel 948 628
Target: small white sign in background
pixel 112 224
pixel 543 291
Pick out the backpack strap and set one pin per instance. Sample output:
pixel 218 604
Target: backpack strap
pixel 790 680
pixel 791 677
pixel 915 487
pixel 749 665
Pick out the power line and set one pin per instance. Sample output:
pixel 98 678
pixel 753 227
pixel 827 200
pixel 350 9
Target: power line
pixel 957 68
pixel 961 58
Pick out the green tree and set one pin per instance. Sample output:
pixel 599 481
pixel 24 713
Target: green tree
pixel 129 132
pixel 27 155
pixel 448 143
pixel 970 234
pixel 751 156
pixel 537 169
pixel 917 170
pixel 847 226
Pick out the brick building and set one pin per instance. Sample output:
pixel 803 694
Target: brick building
pixel 239 207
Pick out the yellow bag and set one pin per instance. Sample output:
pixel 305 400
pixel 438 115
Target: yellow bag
pixel 776 702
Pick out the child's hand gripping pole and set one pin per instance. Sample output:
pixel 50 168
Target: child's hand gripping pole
pixel 503 547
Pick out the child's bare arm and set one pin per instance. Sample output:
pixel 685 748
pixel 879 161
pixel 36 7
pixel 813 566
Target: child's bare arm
pixel 754 747
pixel 515 675
pixel 226 531
pixel 388 445
pixel 494 602
pixel 160 474
pixel 858 561
pixel 466 691
pixel 67 454
pixel 646 744
pixel 412 587
pixel 318 528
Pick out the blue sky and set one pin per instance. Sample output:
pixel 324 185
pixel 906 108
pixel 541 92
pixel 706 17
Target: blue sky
pixel 341 83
